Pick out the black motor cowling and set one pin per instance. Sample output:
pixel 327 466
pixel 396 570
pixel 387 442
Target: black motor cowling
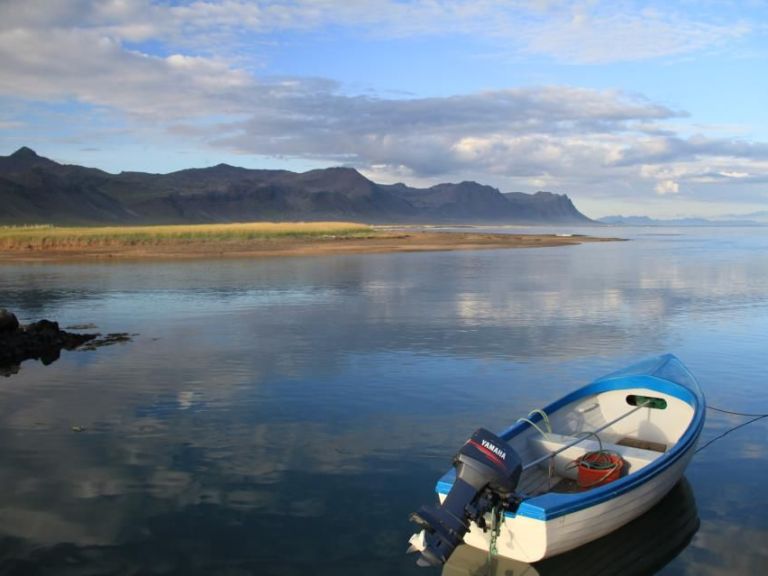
pixel 487 473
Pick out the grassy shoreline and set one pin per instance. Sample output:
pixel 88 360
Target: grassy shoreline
pixel 248 240
pixel 51 237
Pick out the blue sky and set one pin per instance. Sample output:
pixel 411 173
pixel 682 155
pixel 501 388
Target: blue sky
pixel 653 108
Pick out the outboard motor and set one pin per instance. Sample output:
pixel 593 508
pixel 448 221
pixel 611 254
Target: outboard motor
pixel 487 473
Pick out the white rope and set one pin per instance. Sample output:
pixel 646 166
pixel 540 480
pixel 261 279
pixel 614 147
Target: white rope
pixel 534 425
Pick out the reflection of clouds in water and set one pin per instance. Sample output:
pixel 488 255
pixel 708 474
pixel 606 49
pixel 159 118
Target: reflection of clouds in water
pixel 752 451
pixel 546 306
pixel 175 303
pixel 50 527
pixel 147 438
pixel 723 547
pixel 642 293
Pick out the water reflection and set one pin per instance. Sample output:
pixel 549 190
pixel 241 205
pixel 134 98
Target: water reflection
pixel 640 548
pixel 285 417
pixel 500 303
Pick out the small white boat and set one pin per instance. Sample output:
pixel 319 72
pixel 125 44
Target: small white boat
pixel 532 492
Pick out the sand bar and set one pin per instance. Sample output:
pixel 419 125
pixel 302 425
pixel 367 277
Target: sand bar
pixel 375 241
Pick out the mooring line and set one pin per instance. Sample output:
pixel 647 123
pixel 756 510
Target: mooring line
pixel 754 418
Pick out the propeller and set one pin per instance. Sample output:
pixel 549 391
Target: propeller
pixel 417 543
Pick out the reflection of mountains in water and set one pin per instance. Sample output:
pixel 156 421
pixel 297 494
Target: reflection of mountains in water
pixel 641 547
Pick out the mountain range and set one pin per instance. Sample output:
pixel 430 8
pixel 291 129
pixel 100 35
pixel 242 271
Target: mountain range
pixel 37 190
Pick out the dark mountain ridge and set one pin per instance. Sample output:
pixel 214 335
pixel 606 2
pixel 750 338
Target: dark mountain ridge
pixel 35 190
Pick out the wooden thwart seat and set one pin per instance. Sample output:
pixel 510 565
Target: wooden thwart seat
pixel 642 444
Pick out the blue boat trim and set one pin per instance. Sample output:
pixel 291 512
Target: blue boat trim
pixel 552 505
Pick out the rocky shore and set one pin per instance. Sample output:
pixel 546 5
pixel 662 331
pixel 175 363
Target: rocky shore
pixel 42 340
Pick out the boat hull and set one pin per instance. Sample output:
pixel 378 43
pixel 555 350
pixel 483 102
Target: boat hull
pixel 628 550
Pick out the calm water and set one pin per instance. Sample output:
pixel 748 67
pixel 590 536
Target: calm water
pixel 285 416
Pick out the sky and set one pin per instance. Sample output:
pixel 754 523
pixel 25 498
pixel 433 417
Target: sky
pixel 634 108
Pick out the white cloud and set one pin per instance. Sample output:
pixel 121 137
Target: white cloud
pixel 667 187
pixel 86 66
pixel 580 32
pixel 731 174
pixel 600 38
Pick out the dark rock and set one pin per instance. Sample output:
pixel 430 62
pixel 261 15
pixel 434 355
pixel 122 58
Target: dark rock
pixel 108 340
pixel 88 326
pixel 42 340
pixel 8 321
pixel 9 369
pixel 44 330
